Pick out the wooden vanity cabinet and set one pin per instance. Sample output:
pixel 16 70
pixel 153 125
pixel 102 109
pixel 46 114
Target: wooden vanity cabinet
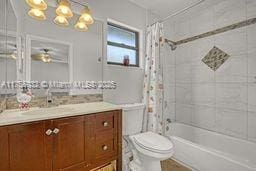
pixel 79 143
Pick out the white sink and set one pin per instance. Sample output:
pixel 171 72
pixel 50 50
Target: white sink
pixel 47 111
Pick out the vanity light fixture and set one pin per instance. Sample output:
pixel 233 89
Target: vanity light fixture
pixel 81 26
pixel 61 21
pixel 37 4
pixel 86 16
pixel 63 12
pixel 37 14
pixel 64 9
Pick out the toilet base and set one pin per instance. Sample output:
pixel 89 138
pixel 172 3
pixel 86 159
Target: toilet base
pixel 151 165
pixel 146 166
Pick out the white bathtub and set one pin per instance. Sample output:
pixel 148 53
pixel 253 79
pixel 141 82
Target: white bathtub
pixel 209 151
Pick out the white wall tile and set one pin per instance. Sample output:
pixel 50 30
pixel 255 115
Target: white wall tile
pixel 183 93
pixel 182 54
pixel 219 100
pixel 183 113
pixel 170 112
pixel 182 30
pixel 202 22
pixel 204 117
pixel 171 93
pixel 251 32
pixel 251 8
pixel 183 73
pixel 201 73
pixel 231 95
pixel 233 70
pixel 231 122
pixel 252 126
pixel 252 98
pixel 229 12
pixel 251 65
pixel 169 74
pixel 232 42
pixel 203 94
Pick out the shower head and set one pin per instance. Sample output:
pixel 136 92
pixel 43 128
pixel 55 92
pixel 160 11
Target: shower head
pixel 172 44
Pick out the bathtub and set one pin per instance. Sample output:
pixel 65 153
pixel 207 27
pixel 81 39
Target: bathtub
pixel 209 151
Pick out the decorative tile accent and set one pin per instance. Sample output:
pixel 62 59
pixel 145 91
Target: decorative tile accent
pixel 218 31
pixel 215 58
pixel 2 104
pixel 11 103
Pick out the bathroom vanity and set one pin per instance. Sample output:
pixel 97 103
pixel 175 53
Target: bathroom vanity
pixel 79 137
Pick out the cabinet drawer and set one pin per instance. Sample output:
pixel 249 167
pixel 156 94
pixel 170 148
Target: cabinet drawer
pixel 105 121
pixel 106 148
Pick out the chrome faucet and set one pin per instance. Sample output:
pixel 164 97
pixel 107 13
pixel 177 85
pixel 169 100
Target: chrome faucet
pixel 49 99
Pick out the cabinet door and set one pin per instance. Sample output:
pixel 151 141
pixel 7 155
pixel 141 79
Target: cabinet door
pixel 4 159
pixel 69 144
pixel 29 147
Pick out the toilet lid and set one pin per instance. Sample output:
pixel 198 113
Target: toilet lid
pixel 153 142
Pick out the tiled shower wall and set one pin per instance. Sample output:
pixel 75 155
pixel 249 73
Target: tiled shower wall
pixel 225 100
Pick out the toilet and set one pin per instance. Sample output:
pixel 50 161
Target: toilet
pixel 148 148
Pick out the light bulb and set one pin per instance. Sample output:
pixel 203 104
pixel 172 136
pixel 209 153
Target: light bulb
pixel 37 4
pixel 37 14
pixel 61 21
pixel 86 16
pixel 81 26
pixel 64 9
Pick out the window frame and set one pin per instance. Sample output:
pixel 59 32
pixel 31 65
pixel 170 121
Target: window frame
pixel 124 46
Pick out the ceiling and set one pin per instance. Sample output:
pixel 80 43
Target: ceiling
pixel 163 8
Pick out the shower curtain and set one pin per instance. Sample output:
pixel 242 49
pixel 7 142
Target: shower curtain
pixel 153 80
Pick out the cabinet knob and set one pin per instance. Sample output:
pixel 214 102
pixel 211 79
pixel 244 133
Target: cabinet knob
pixel 105 124
pixel 48 132
pixel 56 131
pixel 104 147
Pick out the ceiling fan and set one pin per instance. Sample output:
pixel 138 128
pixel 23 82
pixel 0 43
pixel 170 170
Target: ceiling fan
pixel 45 56
pixel 10 52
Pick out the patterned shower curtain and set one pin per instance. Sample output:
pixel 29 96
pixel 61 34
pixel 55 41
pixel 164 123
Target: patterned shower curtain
pixel 153 80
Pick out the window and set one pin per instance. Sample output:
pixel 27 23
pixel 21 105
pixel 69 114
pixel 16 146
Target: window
pixel 122 42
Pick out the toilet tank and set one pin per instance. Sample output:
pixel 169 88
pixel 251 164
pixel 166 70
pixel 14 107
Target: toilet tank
pixel 132 118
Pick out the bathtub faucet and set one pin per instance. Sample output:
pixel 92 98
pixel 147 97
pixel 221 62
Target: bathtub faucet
pixel 168 120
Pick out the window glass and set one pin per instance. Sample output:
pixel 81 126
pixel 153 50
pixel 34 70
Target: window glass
pixel 121 36
pixel 122 42
pixel 116 54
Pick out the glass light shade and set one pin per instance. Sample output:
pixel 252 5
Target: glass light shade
pixel 64 9
pixel 61 21
pixel 37 14
pixel 81 26
pixel 46 60
pixel 37 4
pixel 86 16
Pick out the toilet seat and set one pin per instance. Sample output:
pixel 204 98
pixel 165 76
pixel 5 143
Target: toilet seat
pixel 150 142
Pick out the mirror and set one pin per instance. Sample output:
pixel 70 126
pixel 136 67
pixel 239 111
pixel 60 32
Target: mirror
pixel 10 54
pixel 53 58
pixel 52 52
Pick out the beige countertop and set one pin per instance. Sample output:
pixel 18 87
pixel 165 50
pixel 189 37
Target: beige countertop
pixel 10 117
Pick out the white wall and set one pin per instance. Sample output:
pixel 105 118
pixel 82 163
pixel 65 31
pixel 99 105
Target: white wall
pixel 223 101
pixel 129 80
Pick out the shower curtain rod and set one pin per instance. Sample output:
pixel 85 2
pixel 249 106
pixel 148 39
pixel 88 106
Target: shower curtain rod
pixel 178 12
